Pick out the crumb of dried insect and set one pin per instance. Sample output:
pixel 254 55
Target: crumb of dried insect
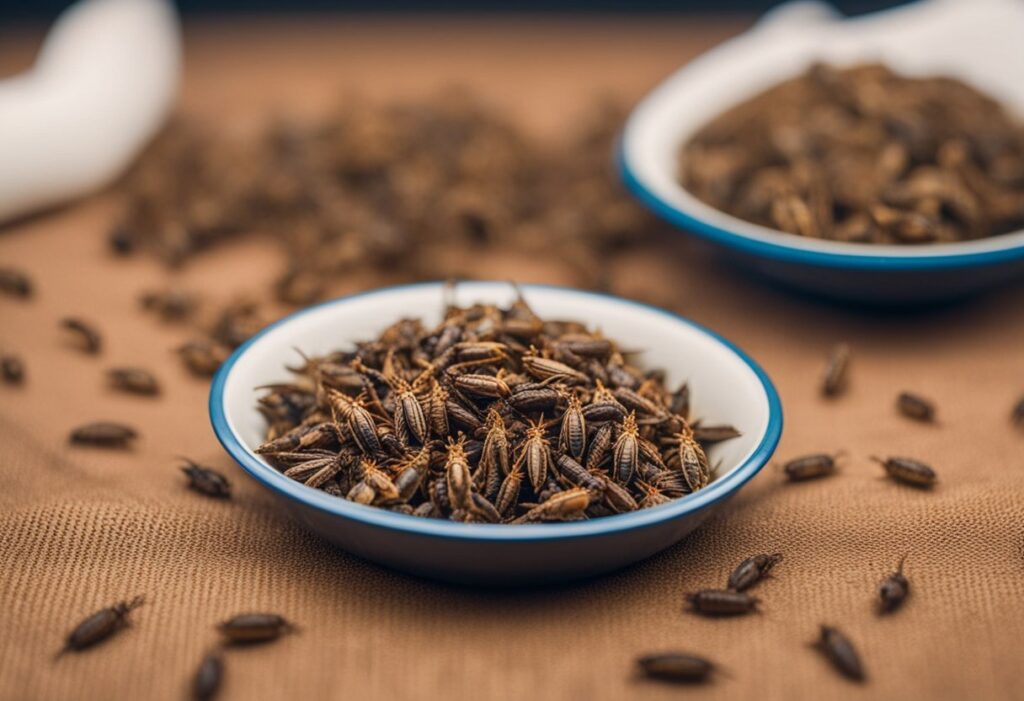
pixel 170 304
pixel 836 371
pixel 86 336
pixel 16 283
pixel 202 356
pixel 12 369
pixel 1017 414
pixel 840 651
pixel 208 678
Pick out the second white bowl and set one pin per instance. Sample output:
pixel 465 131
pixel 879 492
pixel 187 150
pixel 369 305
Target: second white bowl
pixel 981 42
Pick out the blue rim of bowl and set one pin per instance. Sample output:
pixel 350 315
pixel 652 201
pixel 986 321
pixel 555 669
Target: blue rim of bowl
pixel 718 490
pixel 790 254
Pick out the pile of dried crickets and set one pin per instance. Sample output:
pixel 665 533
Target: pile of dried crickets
pixel 864 155
pixel 493 416
pixel 384 187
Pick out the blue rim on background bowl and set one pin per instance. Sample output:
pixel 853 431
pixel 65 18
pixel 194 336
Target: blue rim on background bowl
pixel 325 513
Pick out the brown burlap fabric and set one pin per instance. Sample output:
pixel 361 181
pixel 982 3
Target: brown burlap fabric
pixel 80 529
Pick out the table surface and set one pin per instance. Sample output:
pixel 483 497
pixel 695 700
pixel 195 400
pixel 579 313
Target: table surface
pixel 83 528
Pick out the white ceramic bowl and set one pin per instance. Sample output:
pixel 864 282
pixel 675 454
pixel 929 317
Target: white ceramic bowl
pixel 981 42
pixel 727 386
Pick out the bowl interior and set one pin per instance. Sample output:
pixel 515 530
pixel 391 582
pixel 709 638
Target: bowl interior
pixel 726 387
pixel 977 44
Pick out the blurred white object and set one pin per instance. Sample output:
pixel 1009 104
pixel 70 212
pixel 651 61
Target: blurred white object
pixel 101 87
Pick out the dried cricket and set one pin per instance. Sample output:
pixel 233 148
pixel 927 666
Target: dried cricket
pixel 100 625
pixel 1017 415
pixel 202 357
pixel 706 435
pixel 811 466
pixel 236 322
pixel 893 590
pixel 209 675
pixel 105 434
pixel 752 570
pixel 600 445
pixel 134 381
pixel 691 460
pixel 626 452
pixel 358 420
pixel 248 628
pixel 536 455
pixel 559 507
pixel 915 407
pixel 840 652
pixel 836 371
pixel 15 282
pixel 573 436
pixel 675 667
pixel 12 370
pixel 721 602
pixel 170 304
pixel 908 471
pixel 206 480
pixel 88 338
pixel 494 461
pixel 457 476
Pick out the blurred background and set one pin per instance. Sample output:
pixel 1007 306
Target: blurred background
pixel 12 9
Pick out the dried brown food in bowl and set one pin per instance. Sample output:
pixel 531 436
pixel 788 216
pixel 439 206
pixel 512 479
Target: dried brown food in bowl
pixel 863 154
pixel 495 415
